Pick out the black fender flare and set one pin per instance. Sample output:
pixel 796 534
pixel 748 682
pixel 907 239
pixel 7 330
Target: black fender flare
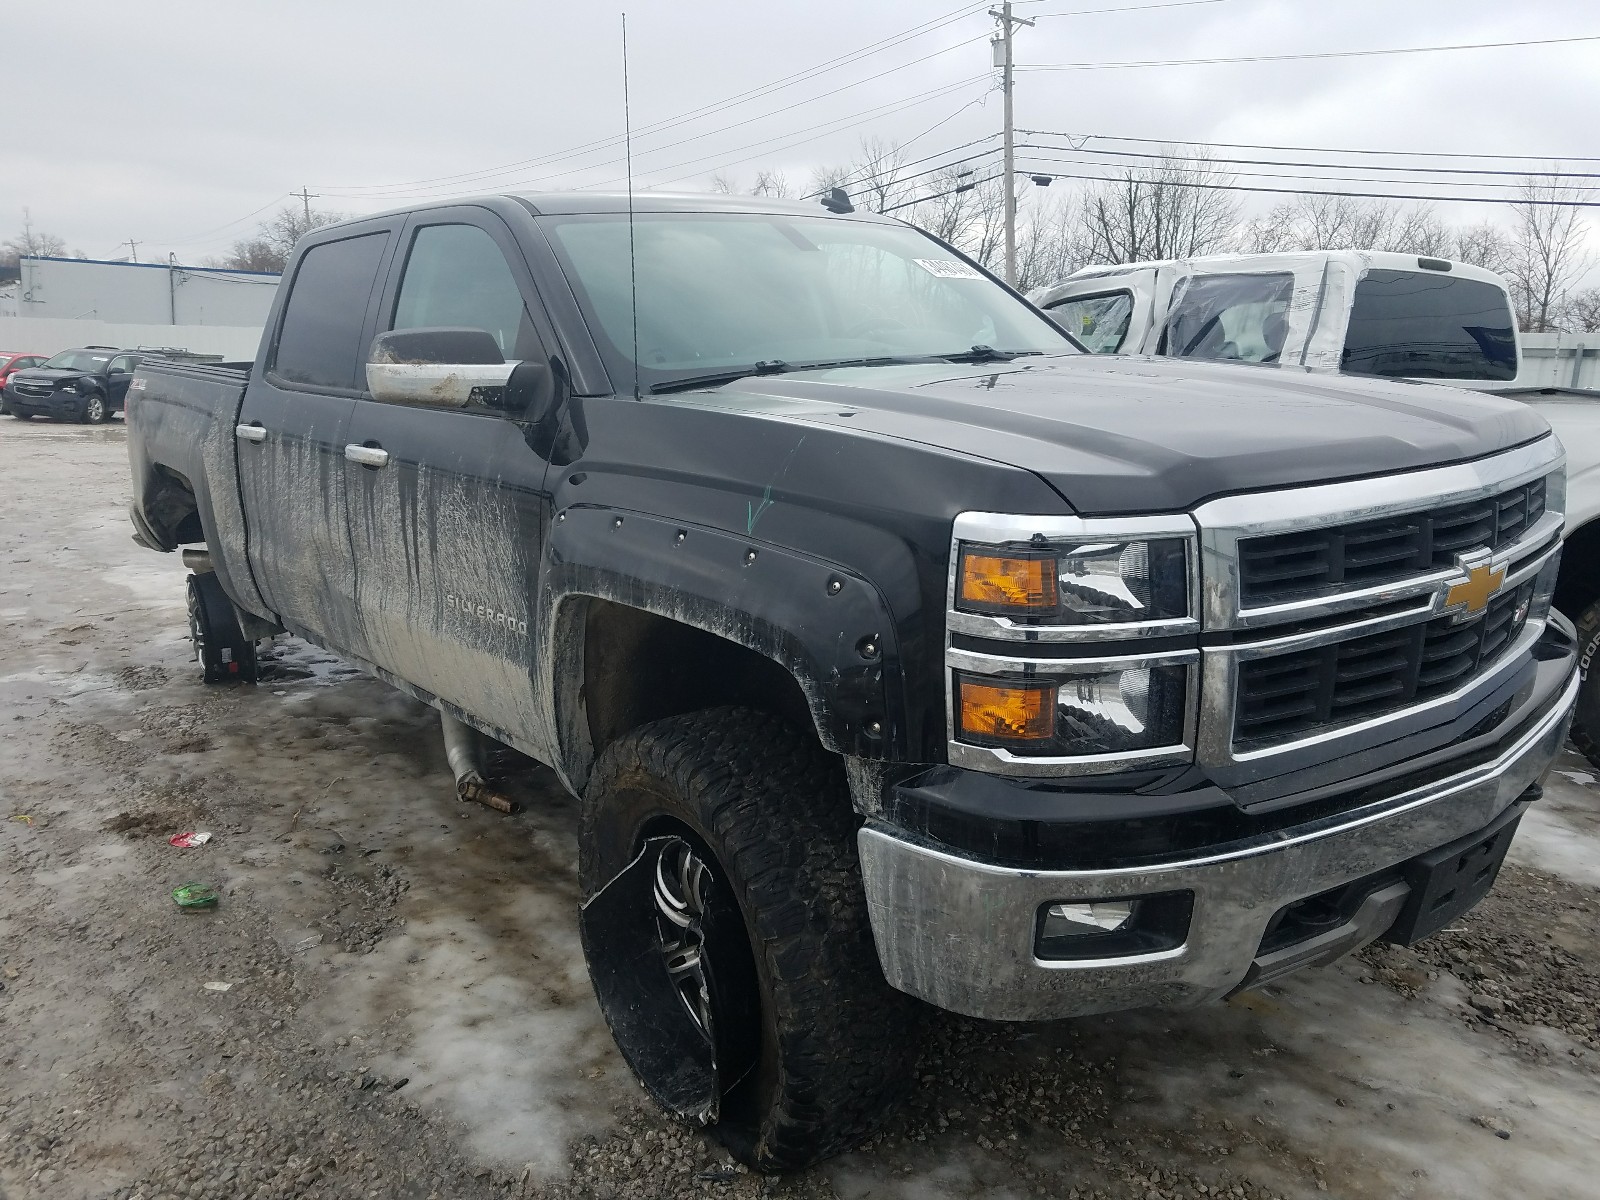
pixel 825 624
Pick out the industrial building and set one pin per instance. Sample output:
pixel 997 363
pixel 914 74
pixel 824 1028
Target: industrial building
pixel 61 302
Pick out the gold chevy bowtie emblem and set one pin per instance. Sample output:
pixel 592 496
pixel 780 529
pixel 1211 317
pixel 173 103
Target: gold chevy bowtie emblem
pixel 1483 581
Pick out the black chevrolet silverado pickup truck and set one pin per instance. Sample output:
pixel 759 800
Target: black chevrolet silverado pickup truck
pixel 895 647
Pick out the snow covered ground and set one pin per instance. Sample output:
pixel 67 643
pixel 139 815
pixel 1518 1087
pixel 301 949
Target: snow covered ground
pixel 408 1012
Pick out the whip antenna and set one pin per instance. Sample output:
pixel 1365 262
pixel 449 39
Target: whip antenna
pixel 633 263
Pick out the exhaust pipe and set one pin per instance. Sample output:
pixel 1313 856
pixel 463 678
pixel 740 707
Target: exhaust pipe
pixel 463 747
pixel 198 561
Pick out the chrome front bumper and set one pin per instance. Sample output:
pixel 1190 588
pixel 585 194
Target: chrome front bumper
pixel 960 933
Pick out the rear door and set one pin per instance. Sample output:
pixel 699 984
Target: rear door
pixel 291 436
pixel 448 531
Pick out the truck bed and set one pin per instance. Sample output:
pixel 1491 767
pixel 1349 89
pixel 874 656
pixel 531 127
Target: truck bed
pixel 180 418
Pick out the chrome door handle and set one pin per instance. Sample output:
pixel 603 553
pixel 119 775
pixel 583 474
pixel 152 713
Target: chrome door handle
pixel 367 456
pixel 250 433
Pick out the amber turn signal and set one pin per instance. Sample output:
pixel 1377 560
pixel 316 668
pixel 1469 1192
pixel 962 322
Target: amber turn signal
pixel 1017 583
pixel 1007 711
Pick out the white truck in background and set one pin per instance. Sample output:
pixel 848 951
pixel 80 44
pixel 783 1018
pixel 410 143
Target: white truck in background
pixel 1367 312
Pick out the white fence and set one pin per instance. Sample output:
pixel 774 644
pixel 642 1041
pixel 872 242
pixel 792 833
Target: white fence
pixel 1569 360
pixel 46 335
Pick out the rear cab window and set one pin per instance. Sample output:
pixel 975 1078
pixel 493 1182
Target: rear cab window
pixel 320 335
pixel 1231 318
pixel 1100 321
pixel 1421 324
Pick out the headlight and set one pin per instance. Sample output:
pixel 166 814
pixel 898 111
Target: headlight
pixel 1082 710
pixel 1097 583
pixel 1029 694
pixel 1068 578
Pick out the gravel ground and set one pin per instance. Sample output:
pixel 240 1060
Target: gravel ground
pixel 389 1000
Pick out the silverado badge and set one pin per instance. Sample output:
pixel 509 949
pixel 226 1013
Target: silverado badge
pixel 1480 585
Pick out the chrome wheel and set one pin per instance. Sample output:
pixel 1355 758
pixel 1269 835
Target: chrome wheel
pixel 682 884
pixel 94 410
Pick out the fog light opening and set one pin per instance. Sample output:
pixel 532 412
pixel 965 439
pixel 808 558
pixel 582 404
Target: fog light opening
pixel 1118 927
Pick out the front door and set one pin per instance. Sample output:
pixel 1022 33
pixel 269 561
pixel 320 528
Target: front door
pixel 290 440
pixel 118 376
pixel 447 505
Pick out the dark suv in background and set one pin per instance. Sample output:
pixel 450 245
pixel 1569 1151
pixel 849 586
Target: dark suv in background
pixel 87 384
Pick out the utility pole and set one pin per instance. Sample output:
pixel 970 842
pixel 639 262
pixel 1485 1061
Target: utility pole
pixel 133 249
pixel 1006 60
pixel 306 197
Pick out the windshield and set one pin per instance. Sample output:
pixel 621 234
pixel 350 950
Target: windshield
pixel 78 360
pixel 1421 325
pixel 725 292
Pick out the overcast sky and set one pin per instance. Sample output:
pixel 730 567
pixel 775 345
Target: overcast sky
pixel 173 121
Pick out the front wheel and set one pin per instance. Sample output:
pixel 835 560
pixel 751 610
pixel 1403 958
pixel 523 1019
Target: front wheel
pixel 727 937
pixel 94 409
pixel 1586 715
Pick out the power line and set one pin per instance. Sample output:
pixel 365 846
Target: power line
pixel 1111 137
pixel 452 189
pixel 1260 58
pixel 764 145
pixel 1230 187
pixel 1325 166
pixel 1169 164
pixel 1091 12
pixel 665 123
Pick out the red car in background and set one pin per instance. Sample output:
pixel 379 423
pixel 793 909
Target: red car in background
pixel 13 360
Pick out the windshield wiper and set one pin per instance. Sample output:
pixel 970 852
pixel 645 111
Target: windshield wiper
pixel 779 367
pixel 982 354
pixel 774 366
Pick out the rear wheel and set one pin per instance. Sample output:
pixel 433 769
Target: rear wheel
pixel 727 936
pixel 94 409
pixel 1586 716
pixel 224 653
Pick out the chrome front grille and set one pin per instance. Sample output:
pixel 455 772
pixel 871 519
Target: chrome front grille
pixel 1290 566
pixel 1292 695
pixel 33 389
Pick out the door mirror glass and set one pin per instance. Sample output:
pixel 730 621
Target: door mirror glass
pixel 439 368
pixel 1099 322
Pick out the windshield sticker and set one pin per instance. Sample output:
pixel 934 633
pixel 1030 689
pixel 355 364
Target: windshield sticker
pixel 948 268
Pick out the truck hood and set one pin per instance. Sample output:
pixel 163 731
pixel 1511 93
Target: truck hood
pixel 1129 435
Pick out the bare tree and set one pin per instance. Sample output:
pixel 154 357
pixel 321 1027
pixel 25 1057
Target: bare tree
pixel 1581 312
pixel 268 249
pixel 723 184
pixel 31 243
pixel 1547 255
pixel 1173 209
pixel 1485 245
pixel 877 175
pixel 963 210
pixel 1346 223
pixel 771 183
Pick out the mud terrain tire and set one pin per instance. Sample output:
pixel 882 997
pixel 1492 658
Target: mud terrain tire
pixel 772 809
pixel 224 653
pixel 1586 716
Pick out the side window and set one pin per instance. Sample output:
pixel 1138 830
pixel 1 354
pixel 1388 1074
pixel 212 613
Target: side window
pixel 1235 318
pixel 327 307
pixel 456 277
pixel 1099 322
pixel 123 364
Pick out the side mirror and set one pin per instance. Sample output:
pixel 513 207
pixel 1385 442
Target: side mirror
pixel 438 368
pixel 530 392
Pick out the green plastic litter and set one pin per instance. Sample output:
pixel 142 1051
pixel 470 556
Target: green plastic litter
pixel 194 895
